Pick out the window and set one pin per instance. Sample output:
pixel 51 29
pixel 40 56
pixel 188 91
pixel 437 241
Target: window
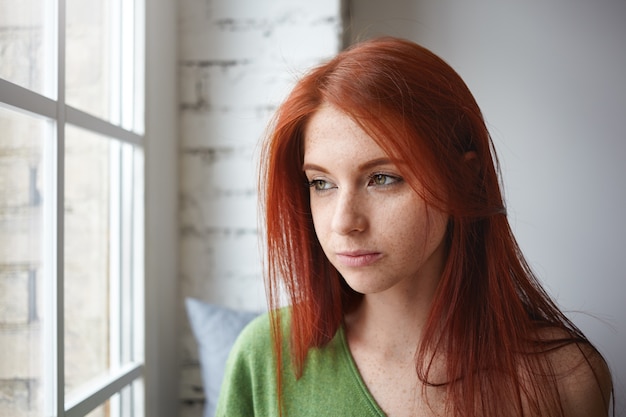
pixel 71 208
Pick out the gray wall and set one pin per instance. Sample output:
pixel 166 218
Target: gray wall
pixel 550 76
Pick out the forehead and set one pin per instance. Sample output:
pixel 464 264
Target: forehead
pixel 332 134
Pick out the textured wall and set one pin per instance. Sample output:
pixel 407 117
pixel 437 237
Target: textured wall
pixel 237 61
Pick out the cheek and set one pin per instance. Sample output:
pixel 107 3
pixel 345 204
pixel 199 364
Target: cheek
pixel 421 232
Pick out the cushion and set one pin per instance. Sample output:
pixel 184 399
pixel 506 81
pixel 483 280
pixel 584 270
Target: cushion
pixel 215 328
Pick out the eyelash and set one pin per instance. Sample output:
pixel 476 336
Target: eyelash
pixel 371 181
pixel 315 183
pixel 393 178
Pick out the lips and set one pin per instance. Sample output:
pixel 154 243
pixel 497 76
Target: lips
pixel 358 258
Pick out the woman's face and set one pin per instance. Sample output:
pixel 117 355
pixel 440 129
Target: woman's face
pixel 372 225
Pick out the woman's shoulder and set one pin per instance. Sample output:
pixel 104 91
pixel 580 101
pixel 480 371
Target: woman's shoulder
pixel 257 327
pixel 582 375
pixel 256 337
pixel 250 376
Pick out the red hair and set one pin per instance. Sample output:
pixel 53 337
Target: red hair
pixel 488 308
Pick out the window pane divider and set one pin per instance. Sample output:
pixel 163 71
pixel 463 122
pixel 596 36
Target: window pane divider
pixel 101 390
pixel 89 122
pixel 57 389
pixel 22 98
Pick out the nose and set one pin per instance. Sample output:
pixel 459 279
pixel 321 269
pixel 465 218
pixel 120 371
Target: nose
pixel 350 214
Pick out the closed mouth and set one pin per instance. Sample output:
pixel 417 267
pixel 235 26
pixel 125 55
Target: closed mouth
pixel 358 258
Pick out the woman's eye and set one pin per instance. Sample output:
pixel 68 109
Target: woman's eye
pixel 320 185
pixel 383 179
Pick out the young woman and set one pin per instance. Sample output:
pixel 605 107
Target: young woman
pixel 387 231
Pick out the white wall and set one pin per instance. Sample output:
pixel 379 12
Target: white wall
pixel 237 60
pixel 550 76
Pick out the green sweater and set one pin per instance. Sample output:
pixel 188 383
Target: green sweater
pixel 330 385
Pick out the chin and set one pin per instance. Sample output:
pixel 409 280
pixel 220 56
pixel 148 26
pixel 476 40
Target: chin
pixel 366 286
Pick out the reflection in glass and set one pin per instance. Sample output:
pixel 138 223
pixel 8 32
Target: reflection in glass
pixel 87 227
pixel 21 264
pixel 25 45
pixel 89 54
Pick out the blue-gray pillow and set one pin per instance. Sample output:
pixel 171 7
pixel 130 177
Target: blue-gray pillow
pixel 215 328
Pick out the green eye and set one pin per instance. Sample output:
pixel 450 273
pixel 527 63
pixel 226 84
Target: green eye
pixel 380 179
pixel 320 185
pixel 383 179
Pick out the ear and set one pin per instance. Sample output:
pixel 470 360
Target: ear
pixel 471 158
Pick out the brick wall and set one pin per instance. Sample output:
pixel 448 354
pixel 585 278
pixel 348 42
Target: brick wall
pixel 237 61
pixel 20 267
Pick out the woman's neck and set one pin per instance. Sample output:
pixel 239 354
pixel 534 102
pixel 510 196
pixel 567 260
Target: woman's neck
pixel 390 323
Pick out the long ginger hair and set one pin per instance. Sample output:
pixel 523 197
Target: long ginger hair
pixel 489 309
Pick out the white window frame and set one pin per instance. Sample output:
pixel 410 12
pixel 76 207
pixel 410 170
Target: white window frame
pixel 162 367
pixel 127 282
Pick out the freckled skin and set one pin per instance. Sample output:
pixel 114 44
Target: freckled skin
pixel 384 217
pixel 387 243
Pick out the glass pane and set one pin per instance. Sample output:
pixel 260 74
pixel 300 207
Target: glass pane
pixel 25 45
pixel 21 264
pixel 89 57
pixel 87 234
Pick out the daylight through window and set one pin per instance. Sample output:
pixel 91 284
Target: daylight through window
pixel 71 208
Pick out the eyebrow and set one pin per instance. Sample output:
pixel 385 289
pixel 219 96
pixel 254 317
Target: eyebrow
pixel 363 167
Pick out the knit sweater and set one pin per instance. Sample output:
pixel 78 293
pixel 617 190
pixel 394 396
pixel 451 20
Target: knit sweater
pixel 330 384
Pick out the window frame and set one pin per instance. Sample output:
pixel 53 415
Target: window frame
pixel 130 224
pixel 162 308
